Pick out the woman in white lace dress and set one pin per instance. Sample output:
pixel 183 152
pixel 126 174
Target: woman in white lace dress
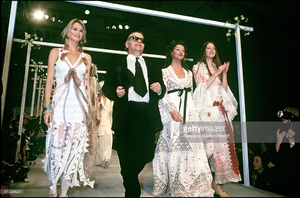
pixel 216 106
pixel 67 113
pixel 180 166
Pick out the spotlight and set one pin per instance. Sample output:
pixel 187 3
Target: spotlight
pixel 113 27
pixel 127 27
pixel 87 12
pixel 120 27
pixel 46 16
pixel 84 21
pixel 38 15
pixel 107 24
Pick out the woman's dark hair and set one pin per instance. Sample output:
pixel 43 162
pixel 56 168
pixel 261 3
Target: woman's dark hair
pixel 216 59
pixel 170 49
pixel 264 159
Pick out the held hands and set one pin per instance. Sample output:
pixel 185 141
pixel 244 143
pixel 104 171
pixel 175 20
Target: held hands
pixel 155 87
pixel 223 69
pixel 176 116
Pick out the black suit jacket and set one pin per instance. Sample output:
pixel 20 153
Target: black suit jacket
pixel 118 75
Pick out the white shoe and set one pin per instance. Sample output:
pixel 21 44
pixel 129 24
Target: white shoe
pixel 52 193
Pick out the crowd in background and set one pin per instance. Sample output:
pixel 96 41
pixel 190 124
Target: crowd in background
pixel 274 156
pixel 15 164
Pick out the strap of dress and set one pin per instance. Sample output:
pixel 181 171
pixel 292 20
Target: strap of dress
pixel 76 63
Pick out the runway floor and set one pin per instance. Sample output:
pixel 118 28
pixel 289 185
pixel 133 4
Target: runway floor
pixel 108 183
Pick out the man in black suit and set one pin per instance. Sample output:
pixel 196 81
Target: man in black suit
pixel 135 86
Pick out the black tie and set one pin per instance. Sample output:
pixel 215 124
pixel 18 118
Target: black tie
pixel 139 81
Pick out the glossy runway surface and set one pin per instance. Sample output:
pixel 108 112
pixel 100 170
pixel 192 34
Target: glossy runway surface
pixel 108 183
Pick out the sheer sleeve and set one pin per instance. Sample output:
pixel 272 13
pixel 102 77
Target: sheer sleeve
pixel 200 74
pixel 165 104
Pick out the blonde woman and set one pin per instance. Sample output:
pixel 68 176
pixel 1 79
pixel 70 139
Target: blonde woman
pixel 67 113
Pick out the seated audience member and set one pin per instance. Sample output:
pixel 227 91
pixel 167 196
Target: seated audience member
pixel 262 176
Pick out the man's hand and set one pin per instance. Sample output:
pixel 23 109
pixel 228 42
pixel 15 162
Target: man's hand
pixel 155 87
pixel 120 91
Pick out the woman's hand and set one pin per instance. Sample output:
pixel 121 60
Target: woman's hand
pixel 48 118
pixel 219 71
pixel 176 116
pixel 280 136
pixel 226 67
pixel 291 133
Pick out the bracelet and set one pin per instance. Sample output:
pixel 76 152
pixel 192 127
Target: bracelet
pixel 48 109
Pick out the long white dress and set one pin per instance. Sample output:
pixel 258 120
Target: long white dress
pixel 103 138
pixel 180 166
pixel 67 138
pixel 219 144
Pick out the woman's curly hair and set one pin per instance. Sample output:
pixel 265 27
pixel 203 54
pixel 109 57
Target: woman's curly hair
pixel 170 49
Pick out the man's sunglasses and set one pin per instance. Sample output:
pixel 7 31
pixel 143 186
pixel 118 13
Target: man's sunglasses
pixel 135 38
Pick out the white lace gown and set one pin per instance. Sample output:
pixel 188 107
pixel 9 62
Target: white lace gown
pixel 180 166
pixel 219 144
pixel 67 138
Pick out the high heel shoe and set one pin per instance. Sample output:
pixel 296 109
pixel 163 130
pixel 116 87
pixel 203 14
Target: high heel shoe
pixel 52 193
pixel 107 163
pixel 219 191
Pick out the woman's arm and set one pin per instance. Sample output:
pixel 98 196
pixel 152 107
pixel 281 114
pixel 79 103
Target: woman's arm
pixel 52 58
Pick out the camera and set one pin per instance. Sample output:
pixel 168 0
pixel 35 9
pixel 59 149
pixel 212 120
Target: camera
pixel 286 115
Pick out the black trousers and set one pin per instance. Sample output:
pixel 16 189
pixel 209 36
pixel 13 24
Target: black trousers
pixel 135 145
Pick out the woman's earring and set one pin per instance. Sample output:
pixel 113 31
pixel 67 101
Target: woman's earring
pixel 67 41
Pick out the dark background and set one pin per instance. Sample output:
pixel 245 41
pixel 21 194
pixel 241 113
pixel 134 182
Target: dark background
pixel 270 54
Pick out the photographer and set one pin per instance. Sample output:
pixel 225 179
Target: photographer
pixel 287 154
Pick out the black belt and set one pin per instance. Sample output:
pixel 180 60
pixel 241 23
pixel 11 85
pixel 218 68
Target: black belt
pixel 180 92
pixel 140 104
